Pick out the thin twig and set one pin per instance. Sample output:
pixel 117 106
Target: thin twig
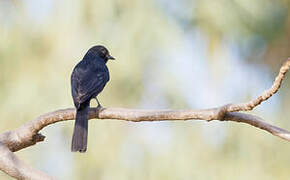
pixel 264 96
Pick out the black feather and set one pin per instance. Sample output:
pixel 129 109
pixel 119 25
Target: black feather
pixel 88 79
pixel 80 134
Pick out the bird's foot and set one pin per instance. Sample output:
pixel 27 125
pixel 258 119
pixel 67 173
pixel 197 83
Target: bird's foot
pixel 99 106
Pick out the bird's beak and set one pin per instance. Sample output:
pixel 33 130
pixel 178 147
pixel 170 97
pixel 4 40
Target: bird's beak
pixel 110 57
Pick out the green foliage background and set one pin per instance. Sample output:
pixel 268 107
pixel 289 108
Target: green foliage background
pixel 158 45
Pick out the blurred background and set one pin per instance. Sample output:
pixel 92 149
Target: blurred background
pixel 179 54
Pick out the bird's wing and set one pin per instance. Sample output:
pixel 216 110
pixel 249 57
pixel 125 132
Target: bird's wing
pixel 88 83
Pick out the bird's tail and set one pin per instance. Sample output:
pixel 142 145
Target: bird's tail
pixel 80 134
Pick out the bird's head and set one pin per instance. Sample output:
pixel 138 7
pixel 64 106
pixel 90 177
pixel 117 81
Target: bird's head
pixel 101 52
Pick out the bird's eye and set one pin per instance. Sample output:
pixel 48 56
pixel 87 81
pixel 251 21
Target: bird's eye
pixel 103 51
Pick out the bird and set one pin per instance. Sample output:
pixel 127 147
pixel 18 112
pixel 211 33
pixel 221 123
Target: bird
pixel 88 79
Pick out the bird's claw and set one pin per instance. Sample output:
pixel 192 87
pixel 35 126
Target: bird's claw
pixel 99 106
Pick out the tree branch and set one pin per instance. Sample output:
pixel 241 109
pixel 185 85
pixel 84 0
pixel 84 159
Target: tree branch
pixel 13 166
pixel 267 94
pixel 28 134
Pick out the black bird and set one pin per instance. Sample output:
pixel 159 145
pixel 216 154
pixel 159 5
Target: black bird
pixel 88 79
